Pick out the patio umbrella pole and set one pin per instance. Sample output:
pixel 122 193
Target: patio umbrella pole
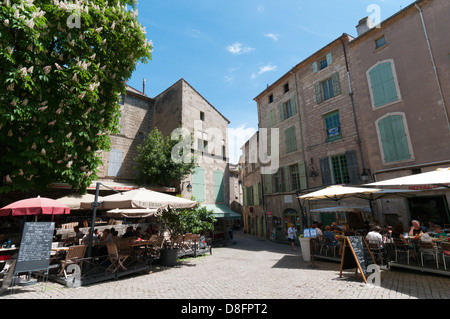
pixel 94 208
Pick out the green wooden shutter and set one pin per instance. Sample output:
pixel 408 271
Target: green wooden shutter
pixel 302 175
pixel 218 186
pixel 318 91
pixel 272 118
pixel 401 141
pixel 326 171
pixel 393 139
pixel 198 184
pixel 287 184
pixel 290 139
pixel 383 84
pixel 268 183
pixel 282 117
pixel 315 67
pixel 329 59
pixel 352 167
pixel 260 193
pixel 336 84
pixel 293 106
pixel 244 189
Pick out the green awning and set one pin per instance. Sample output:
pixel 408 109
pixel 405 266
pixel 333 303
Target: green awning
pixel 222 211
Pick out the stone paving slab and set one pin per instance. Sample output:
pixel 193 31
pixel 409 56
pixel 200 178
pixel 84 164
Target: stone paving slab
pixel 250 268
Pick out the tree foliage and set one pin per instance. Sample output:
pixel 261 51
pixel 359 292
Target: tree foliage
pixel 194 220
pixel 155 164
pixel 63 66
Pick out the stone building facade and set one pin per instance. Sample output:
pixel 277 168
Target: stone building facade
pixel 136 122
pixel 402 88
pixel 362 109
pixel 182 106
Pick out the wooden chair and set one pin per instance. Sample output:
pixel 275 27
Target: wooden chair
pixel 155 249
pixel 187 242
pixel 427 248
pixel 177 241
pixel 445 247
pixel 74 255
pixel 115 258
pixel 400 247
pixel 195 241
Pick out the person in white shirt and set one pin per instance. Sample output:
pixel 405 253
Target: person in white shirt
pixel 291 235
pixel 374 236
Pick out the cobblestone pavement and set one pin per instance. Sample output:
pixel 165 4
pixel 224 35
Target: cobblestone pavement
pixel 250 268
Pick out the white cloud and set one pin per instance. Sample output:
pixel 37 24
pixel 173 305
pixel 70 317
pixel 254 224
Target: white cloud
pixel 237 48
pixel 264 69
pixel 273 36
pixel 236 139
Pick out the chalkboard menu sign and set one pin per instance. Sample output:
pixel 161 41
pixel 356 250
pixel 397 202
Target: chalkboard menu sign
pixel 354 255
pixel 35 246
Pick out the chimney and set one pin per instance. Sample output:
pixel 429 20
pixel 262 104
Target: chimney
pixel 364 25
pixel 143 86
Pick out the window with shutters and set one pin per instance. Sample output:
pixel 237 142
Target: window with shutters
pixel 328 88
pixel 333 126
pixel 394 138
pixel 383 84
pixel 295 176
pixel 218 186
pixel 198 184
pixel 287 109
pixel 272 118
pixel 115 162
pixel 290 139
pixel 339 169
pixel 322 63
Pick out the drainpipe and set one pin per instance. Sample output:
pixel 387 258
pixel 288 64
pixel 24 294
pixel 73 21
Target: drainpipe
pixel 434 65
pixel 358 140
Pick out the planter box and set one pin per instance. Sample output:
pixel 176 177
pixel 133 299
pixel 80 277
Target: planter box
pixel 305 244
pixel 169 256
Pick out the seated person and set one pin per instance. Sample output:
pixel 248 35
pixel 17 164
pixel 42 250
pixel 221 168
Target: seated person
pixel 415 230
pixel 129 232
pixel 107 237
pixel 374 236
pixel 439 232
pixel 329 234
pixel 348 231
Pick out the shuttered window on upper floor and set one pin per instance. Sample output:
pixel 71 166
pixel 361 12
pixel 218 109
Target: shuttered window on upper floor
pixel 290 139
pixel 383 85
pixel 115 161
pixel 287 109
pixel 394 139
pixel 327 89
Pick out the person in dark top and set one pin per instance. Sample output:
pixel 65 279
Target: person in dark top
pixel 129 232
pixel 416 230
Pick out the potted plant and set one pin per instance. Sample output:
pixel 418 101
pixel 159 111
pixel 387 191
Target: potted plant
pixel 181 221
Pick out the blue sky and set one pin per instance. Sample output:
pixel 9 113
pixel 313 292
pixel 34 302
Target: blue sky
pixel 229 51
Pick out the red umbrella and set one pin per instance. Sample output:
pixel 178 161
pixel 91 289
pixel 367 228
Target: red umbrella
pixel 35 206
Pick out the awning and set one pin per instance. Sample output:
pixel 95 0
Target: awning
pixel 74 200
pixel 222 211
pixel 341 209
pixel 132 213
